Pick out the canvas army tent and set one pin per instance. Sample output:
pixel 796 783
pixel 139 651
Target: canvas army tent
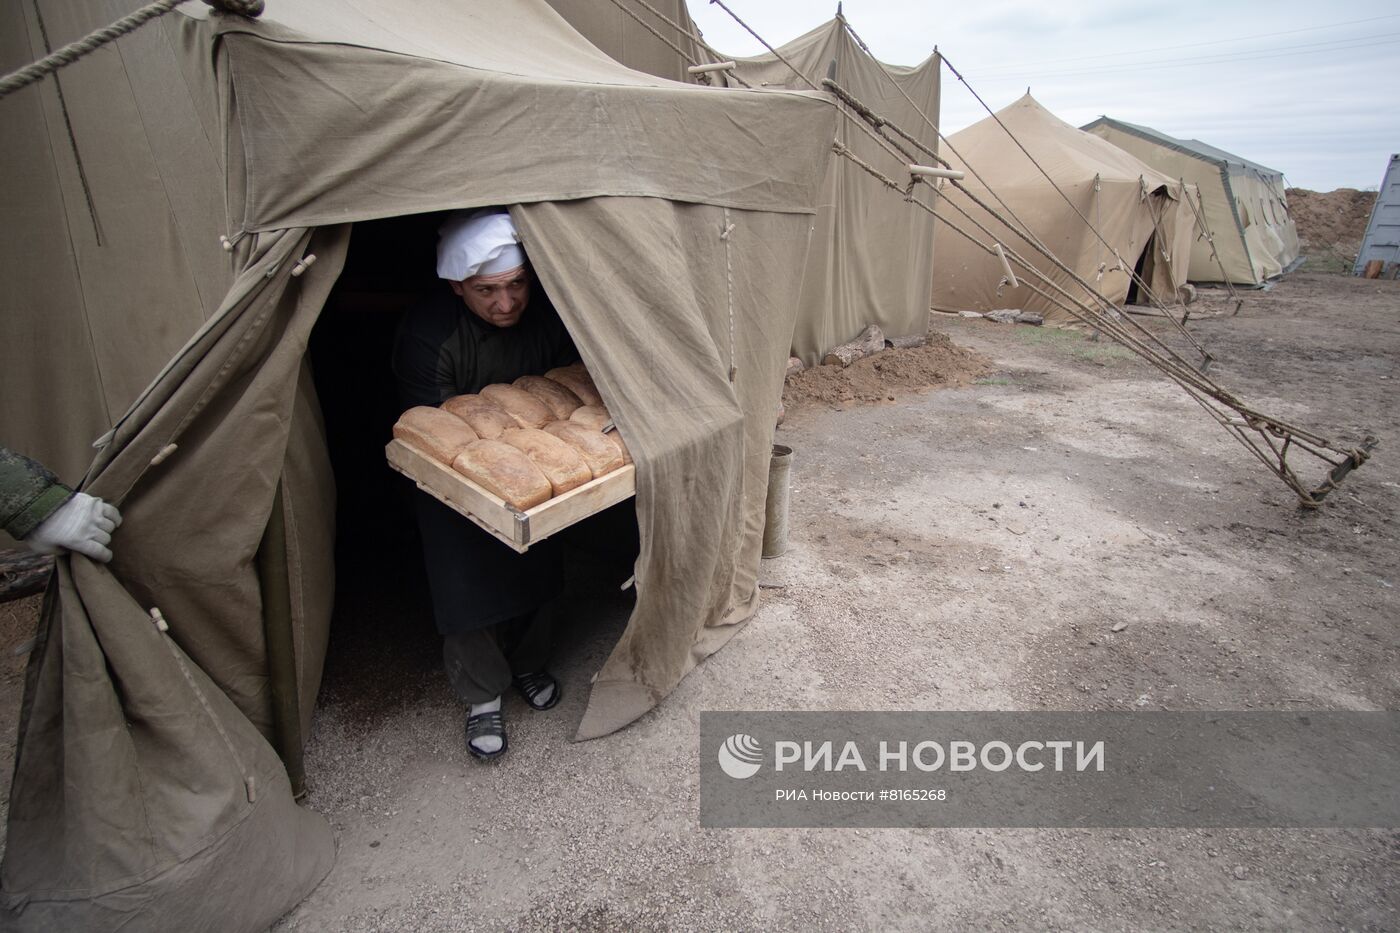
pixel 145 784
pixel 627 41
pixel 872 254
pixel 1243 203
pixel 1139 213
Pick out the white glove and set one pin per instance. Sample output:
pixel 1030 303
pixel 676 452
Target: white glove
pixel 83 524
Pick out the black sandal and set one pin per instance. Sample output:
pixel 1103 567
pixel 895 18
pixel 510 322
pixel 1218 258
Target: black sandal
pixel 532 685
pixel 486 725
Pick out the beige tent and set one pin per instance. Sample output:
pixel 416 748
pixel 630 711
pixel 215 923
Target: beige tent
pixel 625 38
pixel 146 789
pixel 872 255
pixel 1244 203
pixel 1142 221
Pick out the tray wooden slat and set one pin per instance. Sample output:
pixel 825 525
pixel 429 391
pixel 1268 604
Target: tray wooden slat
pixel 516 529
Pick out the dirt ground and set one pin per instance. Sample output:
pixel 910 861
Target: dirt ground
pixel 1331 225
pixel 966 547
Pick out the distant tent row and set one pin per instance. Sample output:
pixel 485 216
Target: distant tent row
pixel 1151 199
pixel 1243 203
pixel 1142 220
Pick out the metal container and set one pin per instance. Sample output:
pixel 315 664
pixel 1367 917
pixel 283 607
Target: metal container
pixel 775 512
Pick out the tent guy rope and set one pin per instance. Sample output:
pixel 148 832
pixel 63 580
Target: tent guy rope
pixel 694 65
pixel 1272 455
pixel 1131 272
pixel 1110 322
pixel 73 51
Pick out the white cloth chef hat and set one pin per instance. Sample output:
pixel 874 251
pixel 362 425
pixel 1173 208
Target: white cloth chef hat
pixel 480 242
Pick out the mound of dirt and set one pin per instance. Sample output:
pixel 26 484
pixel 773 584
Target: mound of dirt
pixel 879 377
pixel 1330 225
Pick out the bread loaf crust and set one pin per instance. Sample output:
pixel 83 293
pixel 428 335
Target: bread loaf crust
pixel 591 416
pixel 563 466
pixel 598 452
pixel 528 411
pixel 502 469
pixel 557 397
pixel 615 437
pixel 439 434
pixel 576 379
pixel 487 420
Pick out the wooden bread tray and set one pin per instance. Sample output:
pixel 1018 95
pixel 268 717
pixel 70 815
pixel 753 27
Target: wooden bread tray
pixel 518 530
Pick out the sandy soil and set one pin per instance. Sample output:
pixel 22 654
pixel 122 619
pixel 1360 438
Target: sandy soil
pixel 955 548
pixel 1331 225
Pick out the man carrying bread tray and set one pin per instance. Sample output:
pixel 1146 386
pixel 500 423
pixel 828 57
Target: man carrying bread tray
pixel 490 324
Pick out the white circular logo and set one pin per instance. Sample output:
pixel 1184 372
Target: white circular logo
pixel 741 756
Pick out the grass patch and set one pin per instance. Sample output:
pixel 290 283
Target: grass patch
pixel 1074 343
pixel 1329 262
pixel 994 381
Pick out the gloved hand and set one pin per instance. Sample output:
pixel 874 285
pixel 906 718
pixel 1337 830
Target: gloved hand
pixel 83 524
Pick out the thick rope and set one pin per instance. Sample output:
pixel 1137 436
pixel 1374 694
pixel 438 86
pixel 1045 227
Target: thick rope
pixel 807 80
pixel 1189 379
pixel 1193 382
pixel 880 123
pixel 902 93
pixel 1278 466
pixel 1018 228
pixel 1132 274
pixel 1210 238
pixel 73 51
pixel 1028 155
pixel 651 29
pixel 699 41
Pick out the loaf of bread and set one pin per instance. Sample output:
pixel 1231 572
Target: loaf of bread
pixel 504 470
pixel 559 399
pixel 528 411
pixel 487 420
pixel 561 464
pixel 598 452
pixel 592 416
pixel 437 433
pixel 616 437
pixel 576 379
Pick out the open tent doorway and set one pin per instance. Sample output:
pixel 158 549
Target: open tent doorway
pixel 1143 270
pixel 384 654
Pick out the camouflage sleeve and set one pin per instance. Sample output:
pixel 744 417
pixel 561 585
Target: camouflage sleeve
pixel 29 493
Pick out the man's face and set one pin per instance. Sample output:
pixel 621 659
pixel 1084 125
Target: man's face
pixel 498 299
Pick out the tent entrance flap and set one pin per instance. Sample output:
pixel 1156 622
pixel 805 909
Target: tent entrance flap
pixel 275 584
pixel 1142 272
pixel 660 318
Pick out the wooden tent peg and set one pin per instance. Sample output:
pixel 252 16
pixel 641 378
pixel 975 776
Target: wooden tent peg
pixel 1006 266
pixel 706 69
pixel 930 170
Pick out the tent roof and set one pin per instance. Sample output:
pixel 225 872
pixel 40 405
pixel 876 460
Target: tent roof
pixel 812 41
pixel 351 111
pixel 1192 147
pixel 1065 153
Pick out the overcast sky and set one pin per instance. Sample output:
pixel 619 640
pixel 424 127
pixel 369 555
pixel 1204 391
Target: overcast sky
pixel 1306 88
